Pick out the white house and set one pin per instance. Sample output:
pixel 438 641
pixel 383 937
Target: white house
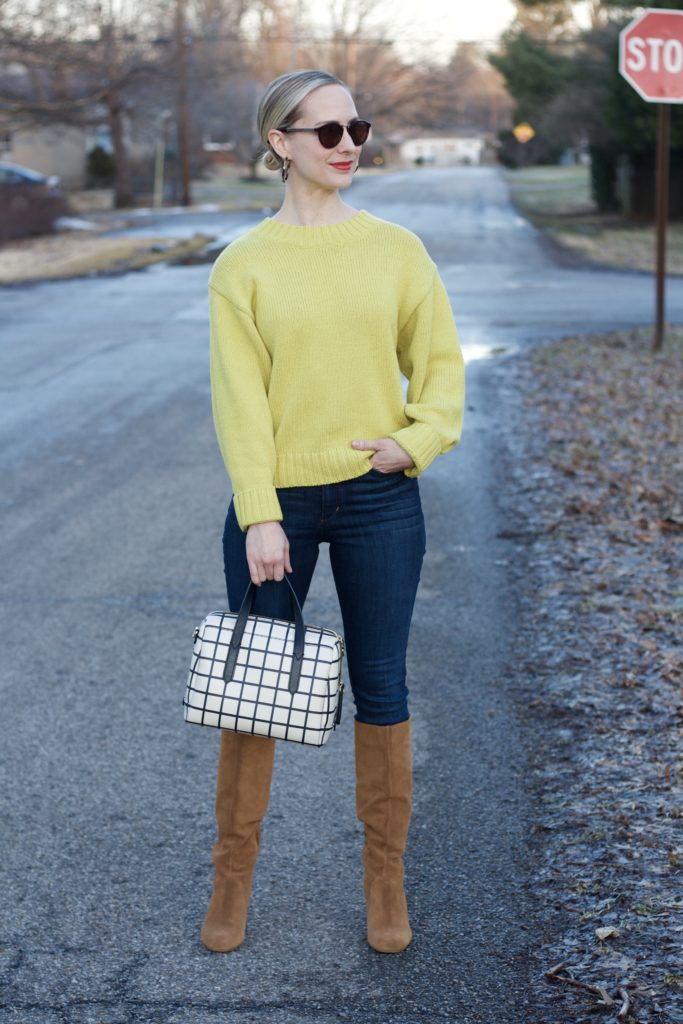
pixel 442 151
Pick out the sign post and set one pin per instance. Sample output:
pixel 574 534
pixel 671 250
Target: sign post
pixel 651 60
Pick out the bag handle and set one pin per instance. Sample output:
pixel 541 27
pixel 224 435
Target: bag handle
pixel 238 634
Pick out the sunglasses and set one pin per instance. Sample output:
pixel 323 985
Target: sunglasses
pixel 330 133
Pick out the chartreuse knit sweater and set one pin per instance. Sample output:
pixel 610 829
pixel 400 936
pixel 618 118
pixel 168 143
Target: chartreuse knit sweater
pixel 311 329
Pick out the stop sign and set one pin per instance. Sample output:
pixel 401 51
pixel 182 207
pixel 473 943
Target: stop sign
pixel 651 55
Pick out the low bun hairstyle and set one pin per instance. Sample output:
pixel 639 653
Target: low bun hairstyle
pixel 280 104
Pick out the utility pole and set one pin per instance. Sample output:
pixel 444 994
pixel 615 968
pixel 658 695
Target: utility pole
pixel 294 40
pixel 183 118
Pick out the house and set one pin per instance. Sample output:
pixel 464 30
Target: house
pixel 442 151
pixel 50 149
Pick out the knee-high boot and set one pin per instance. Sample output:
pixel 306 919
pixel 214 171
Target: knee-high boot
pixel 245 767
pixel 384 805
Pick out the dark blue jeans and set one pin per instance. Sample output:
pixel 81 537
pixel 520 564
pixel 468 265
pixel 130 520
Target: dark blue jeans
pixel 376 532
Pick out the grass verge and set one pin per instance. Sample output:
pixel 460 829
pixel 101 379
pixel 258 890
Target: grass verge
pixel 558 201
pixel 75 254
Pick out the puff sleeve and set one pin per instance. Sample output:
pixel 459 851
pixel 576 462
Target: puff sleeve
pixel 240 372
pixel 430 357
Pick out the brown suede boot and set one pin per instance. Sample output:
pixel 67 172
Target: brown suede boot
pixel 245 767
pixel 384 790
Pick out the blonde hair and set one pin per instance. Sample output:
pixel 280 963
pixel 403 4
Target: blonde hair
pixel 280 105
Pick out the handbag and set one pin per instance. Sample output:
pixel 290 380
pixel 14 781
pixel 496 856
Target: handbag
pixel 266 676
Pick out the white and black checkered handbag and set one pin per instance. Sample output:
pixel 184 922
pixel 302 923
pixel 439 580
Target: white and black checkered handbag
pixel 257 674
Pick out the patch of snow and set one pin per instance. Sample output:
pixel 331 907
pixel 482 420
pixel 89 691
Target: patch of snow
pixel 73 224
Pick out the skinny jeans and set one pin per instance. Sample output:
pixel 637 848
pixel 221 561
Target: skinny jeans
pixel 375 529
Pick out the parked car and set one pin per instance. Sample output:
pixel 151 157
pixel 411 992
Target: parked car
pixel 15 174
pixel 30 202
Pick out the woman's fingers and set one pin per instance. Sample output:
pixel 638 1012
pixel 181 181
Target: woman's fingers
pixel 267 552
pixel 278 571
pixel 255 571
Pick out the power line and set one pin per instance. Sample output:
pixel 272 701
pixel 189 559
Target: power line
pixel 381 40
pixel 577 40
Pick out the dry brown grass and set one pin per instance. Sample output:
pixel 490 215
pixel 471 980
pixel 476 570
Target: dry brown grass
pixel 75 254
pixel 557 199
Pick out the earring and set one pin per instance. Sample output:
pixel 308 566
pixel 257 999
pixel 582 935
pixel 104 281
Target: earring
pixel 285 168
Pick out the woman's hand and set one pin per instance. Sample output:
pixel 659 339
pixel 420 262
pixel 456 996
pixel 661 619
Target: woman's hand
pixel 267 552
pixel 390 456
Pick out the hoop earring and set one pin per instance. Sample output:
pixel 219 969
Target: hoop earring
pixel 285 168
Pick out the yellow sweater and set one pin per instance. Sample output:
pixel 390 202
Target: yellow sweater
pixel 311 328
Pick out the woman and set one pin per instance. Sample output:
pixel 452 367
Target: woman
pixel 314 314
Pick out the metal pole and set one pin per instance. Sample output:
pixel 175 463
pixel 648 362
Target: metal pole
pixel 183 116
pixel 159 174
pixel 662 215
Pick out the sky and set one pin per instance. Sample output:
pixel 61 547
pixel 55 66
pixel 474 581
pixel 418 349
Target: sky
pixel 433 27
pixel 438 25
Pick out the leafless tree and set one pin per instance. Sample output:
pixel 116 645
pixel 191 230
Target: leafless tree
pixel 78 63
pixel 128 64
pixel 355 41
pixel 465 92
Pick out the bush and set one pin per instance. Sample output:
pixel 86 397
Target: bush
pixel 101 166
pixel 604 178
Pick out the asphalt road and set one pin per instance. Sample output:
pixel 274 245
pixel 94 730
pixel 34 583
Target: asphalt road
pixel 113 501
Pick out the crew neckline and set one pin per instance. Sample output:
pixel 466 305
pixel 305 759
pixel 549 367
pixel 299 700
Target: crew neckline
pixel 314 234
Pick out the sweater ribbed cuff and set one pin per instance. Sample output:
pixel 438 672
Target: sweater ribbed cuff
pixel 259 505
pixel 422 444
